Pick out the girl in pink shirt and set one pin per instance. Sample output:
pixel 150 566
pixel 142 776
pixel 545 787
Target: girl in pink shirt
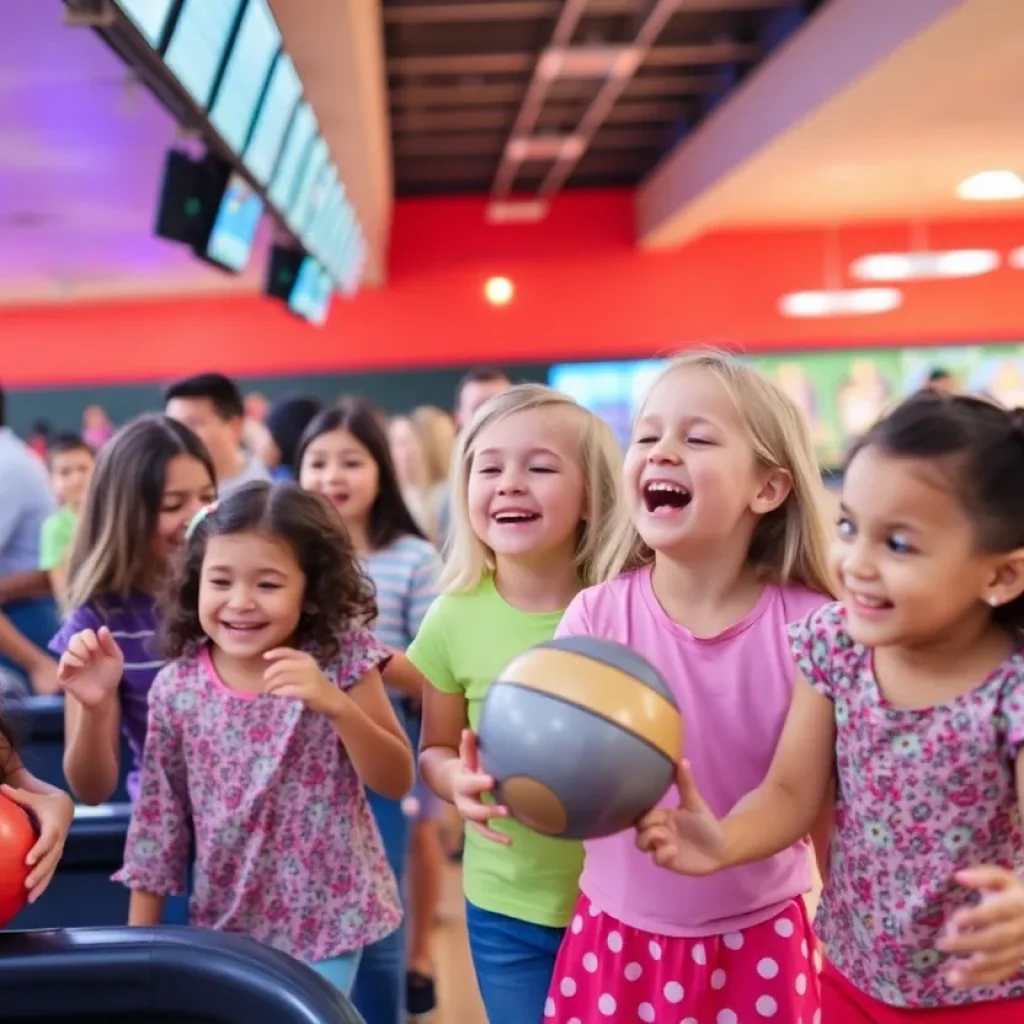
pixel 913 688
pixel 262 731
pixel 724 548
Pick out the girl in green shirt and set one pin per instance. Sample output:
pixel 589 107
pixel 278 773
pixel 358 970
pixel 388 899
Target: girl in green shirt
pixel 533 495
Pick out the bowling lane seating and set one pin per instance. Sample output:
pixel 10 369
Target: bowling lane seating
pixel 159 976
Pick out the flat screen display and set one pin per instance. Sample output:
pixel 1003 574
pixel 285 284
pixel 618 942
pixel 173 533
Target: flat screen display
pixel 149 17
pixel 310 297
pixel 273 119
pixel 197 44
pixel 234 228
pixel 293 157
pixel 316 228
pixel 324 227
pixel 613 391
pixel 241 85
pixel 311 181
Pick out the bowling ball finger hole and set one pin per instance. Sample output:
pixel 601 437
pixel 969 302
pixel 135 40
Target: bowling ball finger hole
pixel 534 805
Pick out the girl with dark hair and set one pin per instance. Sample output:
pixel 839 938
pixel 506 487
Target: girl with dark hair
pixel 149 481
pixel 261 734
pixel 345 456
pixel 911 690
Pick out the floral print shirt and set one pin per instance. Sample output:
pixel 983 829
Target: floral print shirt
pixel 922 794
pixel 286 850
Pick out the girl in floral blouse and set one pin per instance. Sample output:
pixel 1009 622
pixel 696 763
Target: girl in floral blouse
pixel 912 689
pixel 261 734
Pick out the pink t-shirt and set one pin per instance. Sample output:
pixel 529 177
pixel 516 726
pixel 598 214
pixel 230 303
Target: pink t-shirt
pixel 733 691
pixel 286 850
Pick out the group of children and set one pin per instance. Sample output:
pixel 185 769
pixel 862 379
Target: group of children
pixel 249 649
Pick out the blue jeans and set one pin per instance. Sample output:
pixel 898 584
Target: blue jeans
pixel 514 962
pixel 340 971
pixel 379 991
pixel 38 620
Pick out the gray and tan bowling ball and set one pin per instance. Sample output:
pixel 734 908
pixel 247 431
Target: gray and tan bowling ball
pixel 582 737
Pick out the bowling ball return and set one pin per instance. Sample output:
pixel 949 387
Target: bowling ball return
pixel 159 976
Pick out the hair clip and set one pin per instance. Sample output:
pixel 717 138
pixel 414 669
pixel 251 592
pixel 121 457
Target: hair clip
pixel 205 512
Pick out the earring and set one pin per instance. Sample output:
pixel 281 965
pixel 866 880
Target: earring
pixel 993 600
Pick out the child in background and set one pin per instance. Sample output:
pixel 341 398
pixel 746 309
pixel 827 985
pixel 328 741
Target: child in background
pixel 51 808
pixel 914 687
pixel 534 486
pixel 722 545
pixel 344 456
pixel 261 733
pixel 150 480
pixel 285 423
pixel 71 462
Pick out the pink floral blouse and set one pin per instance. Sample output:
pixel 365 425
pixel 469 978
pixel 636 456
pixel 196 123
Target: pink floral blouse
pixel 286 850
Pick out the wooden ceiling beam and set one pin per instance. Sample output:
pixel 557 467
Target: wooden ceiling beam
pixel 434 13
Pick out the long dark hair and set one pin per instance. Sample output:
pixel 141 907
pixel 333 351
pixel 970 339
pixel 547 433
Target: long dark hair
pixel 390 518
pixel 111 551
pixel 339 597
pixel 980 447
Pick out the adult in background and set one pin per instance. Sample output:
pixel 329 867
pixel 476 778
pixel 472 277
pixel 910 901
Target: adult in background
pixel 211 405
pixel 474 389
pixel 28 612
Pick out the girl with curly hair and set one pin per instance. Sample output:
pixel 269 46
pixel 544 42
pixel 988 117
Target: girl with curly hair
pixel 262 731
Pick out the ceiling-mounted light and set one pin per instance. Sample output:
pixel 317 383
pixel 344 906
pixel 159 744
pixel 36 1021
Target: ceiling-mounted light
pixel 991 186
pixel 499 291
pixel 919 266
pixel 842 302
pixel 1016 259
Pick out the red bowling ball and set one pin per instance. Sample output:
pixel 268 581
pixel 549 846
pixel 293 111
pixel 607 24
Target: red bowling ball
pixel 17 837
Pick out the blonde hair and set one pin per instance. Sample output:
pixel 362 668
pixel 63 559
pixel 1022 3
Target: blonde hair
pixel 436 432
pixel 790 544
pixel 467 558
pixel 112 553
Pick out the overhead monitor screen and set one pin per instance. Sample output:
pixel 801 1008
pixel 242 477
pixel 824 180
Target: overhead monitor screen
pixel 149 17
pixel 272 121
pixel 612 390
pixel 311 182
pixel 310 297
pixel 197 44
pixel 234 228
pixel 241 85
pixel 322 197
pixel 293 157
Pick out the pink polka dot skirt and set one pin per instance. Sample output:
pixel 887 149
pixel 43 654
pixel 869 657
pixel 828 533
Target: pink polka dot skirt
pixel 607 970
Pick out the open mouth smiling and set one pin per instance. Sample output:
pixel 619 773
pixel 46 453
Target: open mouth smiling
pixel 665 497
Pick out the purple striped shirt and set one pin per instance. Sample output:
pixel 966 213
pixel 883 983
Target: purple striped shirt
pixel 133 625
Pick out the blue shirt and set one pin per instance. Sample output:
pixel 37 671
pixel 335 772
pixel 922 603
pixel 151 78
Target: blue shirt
pixel 405 574
pixel 25 502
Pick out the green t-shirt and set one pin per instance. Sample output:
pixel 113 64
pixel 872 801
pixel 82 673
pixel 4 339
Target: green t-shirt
pixel 55 538
pixel 462 646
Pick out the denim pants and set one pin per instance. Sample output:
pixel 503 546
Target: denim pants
pixel 379 991
pixel 340 971
pixel 514 962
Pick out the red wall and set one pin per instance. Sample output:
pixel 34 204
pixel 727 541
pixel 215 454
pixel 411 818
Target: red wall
pixel 582 291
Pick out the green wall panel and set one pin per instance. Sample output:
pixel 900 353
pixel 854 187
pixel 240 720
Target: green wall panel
pixel 394 392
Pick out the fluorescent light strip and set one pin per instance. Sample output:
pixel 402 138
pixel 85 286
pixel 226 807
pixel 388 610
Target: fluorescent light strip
pixel 991 186
pixel 843 302
pixel 922 266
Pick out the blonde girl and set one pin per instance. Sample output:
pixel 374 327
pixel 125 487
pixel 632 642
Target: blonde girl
pixel 533 489
pixel 720 546
pixel 421 445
